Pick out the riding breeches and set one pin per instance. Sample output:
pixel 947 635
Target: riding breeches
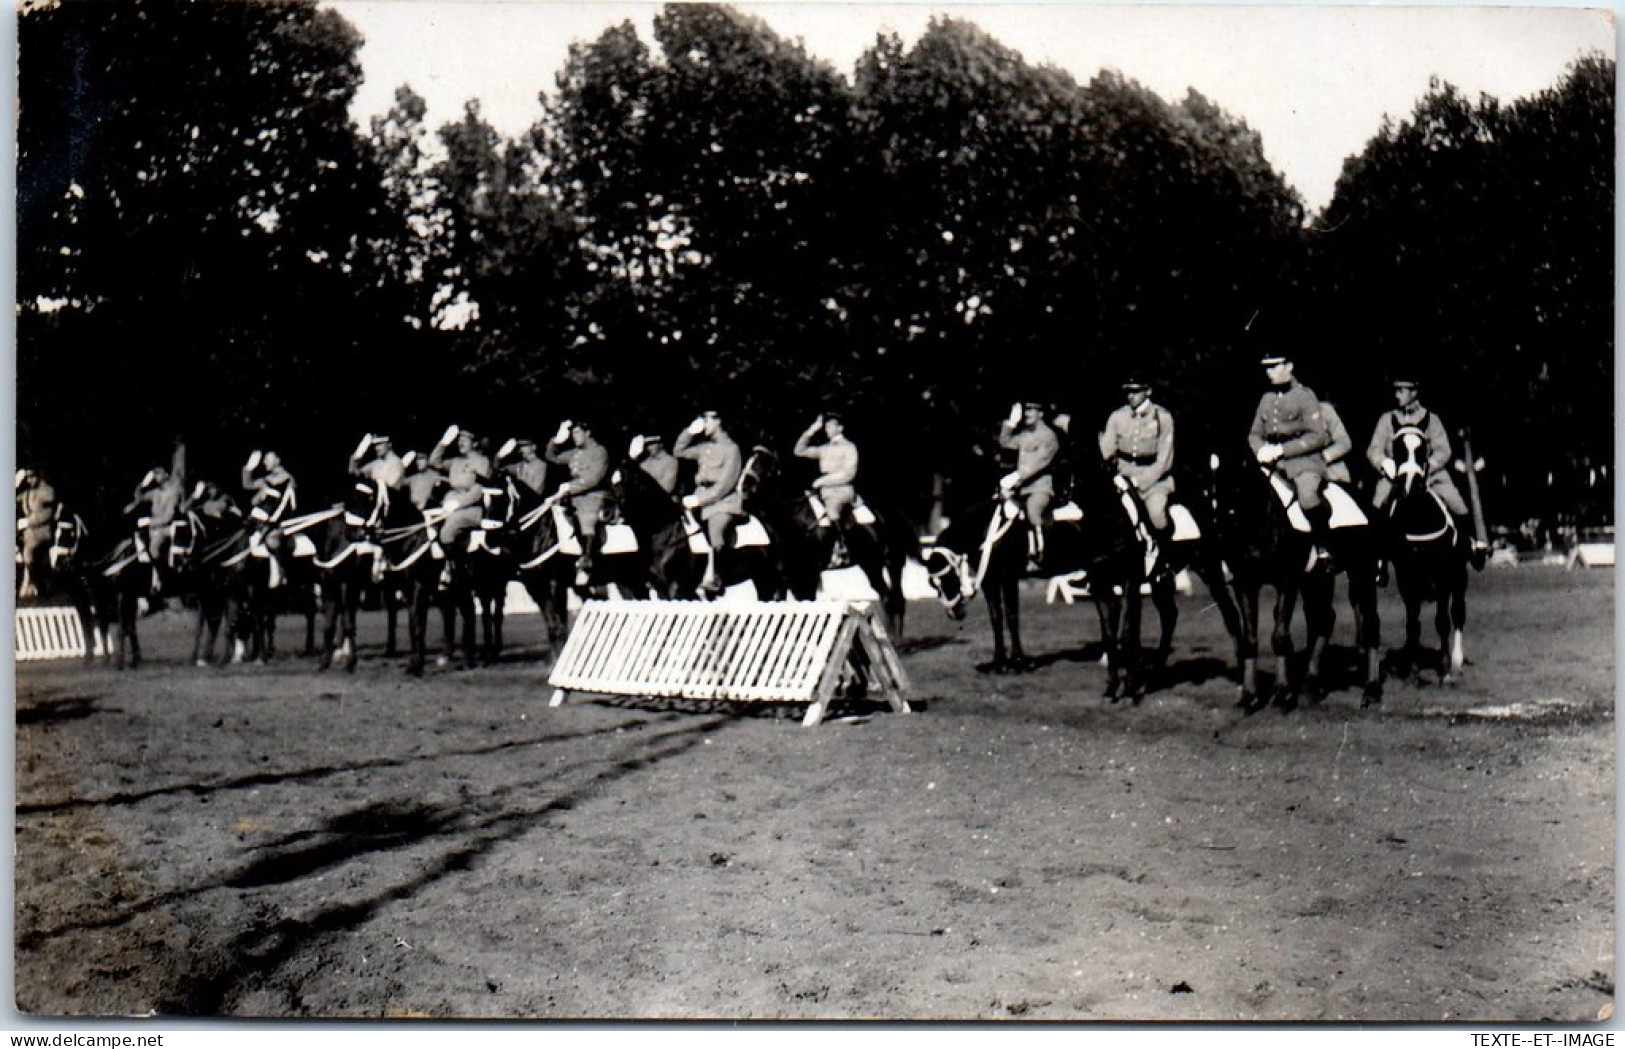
pixel 1308 476
pixel 589 510
pixel 838 500
pixel 1154 495
pixel 1036 502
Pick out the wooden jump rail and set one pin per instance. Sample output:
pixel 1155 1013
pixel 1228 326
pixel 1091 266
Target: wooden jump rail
pixel 50 633
pixel 770 651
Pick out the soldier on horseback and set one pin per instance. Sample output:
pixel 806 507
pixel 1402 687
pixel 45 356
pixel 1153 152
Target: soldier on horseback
pixel 575 448
pixel 716 493
pixel 464 473
pixel 375 458
pixel 1139 441
pixel 519 460
pixel 36 515
pixel 271 497
pixel 648 450
pixel 833 492
pixel 1409 414
pixel 1289 435
pixel 1026 433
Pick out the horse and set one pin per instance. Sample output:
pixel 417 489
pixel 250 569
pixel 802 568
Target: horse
pixel 352 564
pixel 120 585
pixel 990 555
pixel 274 569
pixel 879 542
pixel 1430 558
pixel 667 566
pixel 201 543
pixel 491 563
pixel 543 568
pixel 1255 537
pixel 58 573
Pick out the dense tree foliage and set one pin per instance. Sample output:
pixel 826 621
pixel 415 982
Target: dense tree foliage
pixel 208 248
pixel 1472 244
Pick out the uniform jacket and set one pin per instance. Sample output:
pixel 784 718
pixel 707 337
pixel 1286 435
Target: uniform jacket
pixel 720 464
pixel 1035 450
pixel 588 465
pixel 837 460
pixel 1141 442
pixel 1289 416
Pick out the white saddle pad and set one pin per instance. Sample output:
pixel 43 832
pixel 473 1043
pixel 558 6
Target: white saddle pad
pixel 619 539
pixel 1345 511
pixel 750 533
pixel 1067 512
pixel 303 546
pixel 566 531
pixel 1184 525
pixel 862 514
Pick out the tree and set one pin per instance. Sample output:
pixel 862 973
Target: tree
pixel 194 214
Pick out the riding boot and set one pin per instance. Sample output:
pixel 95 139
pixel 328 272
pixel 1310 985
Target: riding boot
pixel 1035 548
pixel 1320 533
pixel 838 556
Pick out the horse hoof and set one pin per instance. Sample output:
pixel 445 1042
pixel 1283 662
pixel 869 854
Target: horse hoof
pixel 1371 698
pixel 995 667
pixel 200 662
pixel 1285 701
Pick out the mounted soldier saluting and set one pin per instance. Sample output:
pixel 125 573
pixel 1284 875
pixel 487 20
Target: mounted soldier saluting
pixel 1027 434
pixel 716 493
pixel 36 517
pixel 648 450
pixel 575 448
pixel 833 490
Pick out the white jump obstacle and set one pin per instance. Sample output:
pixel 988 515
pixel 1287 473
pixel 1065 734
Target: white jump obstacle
pixel 764 651
pixel 50 633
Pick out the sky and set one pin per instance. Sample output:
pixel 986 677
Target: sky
pixel 1314 81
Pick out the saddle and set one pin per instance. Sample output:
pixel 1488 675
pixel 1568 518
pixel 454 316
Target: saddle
pixel 1345 512
pixel 749 532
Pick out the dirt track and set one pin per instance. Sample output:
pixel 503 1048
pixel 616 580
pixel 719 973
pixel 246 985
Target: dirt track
pixel 274 842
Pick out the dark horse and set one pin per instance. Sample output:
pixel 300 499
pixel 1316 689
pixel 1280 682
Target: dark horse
pixel 352 563
pixel 878 540
pixel 1430 558
pixel 1254 536
pixel 665 566
pixel 990 554
pixel 59 573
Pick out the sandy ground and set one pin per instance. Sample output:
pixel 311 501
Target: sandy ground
pixel 277 842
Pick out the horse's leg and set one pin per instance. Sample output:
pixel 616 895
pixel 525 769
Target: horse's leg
pixel 1320 619
pixel 1286 602
pixel 1012 612
pixel 995 615
pixel 1128 640
pixel 352 611
pixel 1367 631
pixel 130 613
pixel 1247 610
pixel 1167 606
pixel 466 602
pixel 330 622
pixel 1412 652
pixel 1458 618
pixel 1110 610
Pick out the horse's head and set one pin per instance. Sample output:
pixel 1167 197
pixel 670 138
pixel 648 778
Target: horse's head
pixel 759 472
pixel 1409 450
pixel 946 569
pixel 66 535
pixel 365 504
pixel 643 503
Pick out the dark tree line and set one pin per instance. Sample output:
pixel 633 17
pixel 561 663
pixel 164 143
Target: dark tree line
pixel 209 249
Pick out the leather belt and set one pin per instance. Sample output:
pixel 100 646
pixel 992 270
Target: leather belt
pixel 1137 460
